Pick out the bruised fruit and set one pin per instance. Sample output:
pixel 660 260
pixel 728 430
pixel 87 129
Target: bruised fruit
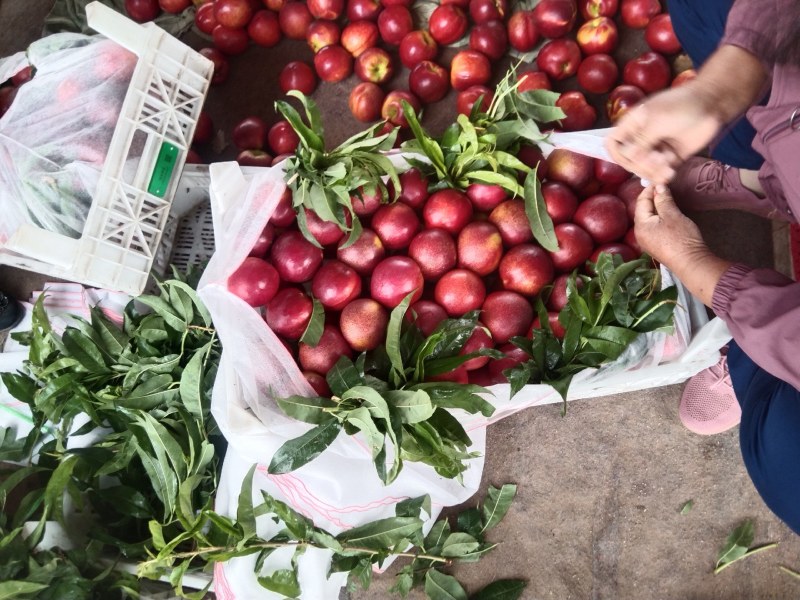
pixel 335 285
pixel 395 224
pixel 480 247
pixel 511 221
pixel 506 314
pixel 459 291
pixel 289 313
pixel 434 251
pixel 447 209
pixel 363 323
pixel 363 254
pixel 526 269
pixel 255 281
pixel 604 217
pixel 574 247
pixel 394 278
pixel 326 353
pixel 427 315
pixel 295 258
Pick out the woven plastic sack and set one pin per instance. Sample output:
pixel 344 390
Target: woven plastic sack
pixel 340 489
pixel 56 134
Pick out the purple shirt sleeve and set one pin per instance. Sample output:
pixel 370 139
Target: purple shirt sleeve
pixel 762 310
pixel 751 25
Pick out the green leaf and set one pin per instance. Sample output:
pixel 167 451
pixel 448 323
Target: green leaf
pixel 381 534
pixel 301 450
pixel 316 410
pixel 437 535
pixel 163 309
pixel 152 393
pixel 411 406
pixel 361 419
pixel 57 486
pixel 737 546
pixel 245 513
pixel 191 383
pixel 458 544
pixel 687 506
pixel 316 325
pixel 112 337
pixel 439 586
pixel 308 138
pixel 393 335
pixel 297 525
pixel 361 574
pixel 411 507
pixel 503 589
pixel 445 394
pixel 16 589
pixel 282 581
pixel 497 503
pixel 343 376
pixel 536 210
pixel 470 521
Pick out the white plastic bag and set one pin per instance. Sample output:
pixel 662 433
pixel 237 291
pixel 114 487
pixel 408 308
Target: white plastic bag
pixel 56 134
pixel 340 488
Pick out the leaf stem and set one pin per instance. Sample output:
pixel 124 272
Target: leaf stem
pixel 745 555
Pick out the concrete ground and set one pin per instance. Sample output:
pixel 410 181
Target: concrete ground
pixel 597 514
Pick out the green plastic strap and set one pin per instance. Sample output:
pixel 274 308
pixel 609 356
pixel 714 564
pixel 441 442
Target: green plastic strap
pixel 162 172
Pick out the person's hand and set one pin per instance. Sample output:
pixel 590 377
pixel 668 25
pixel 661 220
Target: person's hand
pixel 664 232
pixel 655 137
pixel 673 239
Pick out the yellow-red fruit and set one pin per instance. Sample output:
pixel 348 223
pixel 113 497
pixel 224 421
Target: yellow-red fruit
pixel 363 324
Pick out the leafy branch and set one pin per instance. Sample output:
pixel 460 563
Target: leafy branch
pixel 603 315
pixel 738 545
pixel 387 395
pixel 354 551
pixel 325 181
pixel 482 148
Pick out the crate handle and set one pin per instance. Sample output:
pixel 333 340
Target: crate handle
pixel 113 25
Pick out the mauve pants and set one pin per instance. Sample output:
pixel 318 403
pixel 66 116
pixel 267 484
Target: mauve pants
pixel 769 434
pixel 699 25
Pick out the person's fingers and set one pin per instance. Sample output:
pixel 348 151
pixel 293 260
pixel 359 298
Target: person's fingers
pixel 663 202
pixel 645 207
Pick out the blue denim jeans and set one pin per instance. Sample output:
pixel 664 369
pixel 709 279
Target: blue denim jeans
pixel 769 434
pixel 699 25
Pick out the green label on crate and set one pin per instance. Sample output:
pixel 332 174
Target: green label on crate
pixel 162 173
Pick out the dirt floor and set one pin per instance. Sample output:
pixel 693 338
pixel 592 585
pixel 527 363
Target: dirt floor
pixel 600 490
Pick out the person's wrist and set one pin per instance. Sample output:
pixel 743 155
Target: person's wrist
pixel 709 101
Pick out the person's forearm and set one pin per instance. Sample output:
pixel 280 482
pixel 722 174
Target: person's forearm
pixel 700 275
pixel 730 82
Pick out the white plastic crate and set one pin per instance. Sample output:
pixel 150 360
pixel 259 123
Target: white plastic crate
pixel 188 238
pixel 130 208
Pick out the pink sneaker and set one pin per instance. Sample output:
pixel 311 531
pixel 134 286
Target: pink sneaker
pixel 704 184
pixel 708 404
